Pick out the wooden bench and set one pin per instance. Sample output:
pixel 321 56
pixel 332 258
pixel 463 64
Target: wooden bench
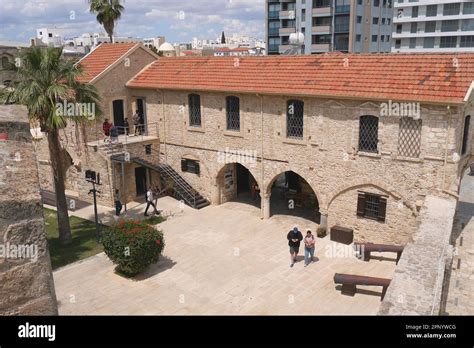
pixel 350 282
pixel 367 249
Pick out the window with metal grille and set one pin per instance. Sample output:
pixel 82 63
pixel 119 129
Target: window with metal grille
pixel 194 110
pixel 233 113
pixel 372 206
pixel 409 137
pixel 465 138
pixel 294 119
pixel 190 166
pixel 368 134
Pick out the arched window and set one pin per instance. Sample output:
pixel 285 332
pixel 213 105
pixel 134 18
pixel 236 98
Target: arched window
pixel 294 119
pixel 465 138
pixel 233 113
pixel 194 110
pixel 368 134
pixel 5 62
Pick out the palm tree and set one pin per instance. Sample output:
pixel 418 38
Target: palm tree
pixel 107 12
pixel 43 81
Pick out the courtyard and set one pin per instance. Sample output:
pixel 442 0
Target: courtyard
pixel 224 260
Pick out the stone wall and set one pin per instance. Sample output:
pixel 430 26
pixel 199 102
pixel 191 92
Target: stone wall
pixel 84 143
pixel 327 157
pixel 416 287
pixel 26 280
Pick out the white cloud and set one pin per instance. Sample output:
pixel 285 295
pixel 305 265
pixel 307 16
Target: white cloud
pixel 142 18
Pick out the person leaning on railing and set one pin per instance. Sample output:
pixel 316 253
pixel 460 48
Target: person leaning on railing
pixel 136 122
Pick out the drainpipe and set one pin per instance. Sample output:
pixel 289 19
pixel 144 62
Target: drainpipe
pixel 446 150
pixel 164 123
pixel 264 196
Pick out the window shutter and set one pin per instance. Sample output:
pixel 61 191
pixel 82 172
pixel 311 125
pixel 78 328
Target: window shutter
pixel 382 209
pixel 184 165
pixel 361 204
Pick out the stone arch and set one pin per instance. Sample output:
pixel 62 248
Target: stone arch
pixel 377 184
pixel 220 193
pixel 251 170
pixel 308 209
pixel 319 194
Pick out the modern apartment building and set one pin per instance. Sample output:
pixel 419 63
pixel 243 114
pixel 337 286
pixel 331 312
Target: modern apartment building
pixel 433 26
pixel 360 26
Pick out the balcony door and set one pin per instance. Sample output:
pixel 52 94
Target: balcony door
pixel 119 115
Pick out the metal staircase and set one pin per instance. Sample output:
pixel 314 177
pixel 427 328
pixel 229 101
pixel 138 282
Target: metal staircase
pixel 182 188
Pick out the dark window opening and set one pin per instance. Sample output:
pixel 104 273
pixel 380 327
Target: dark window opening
pixel 465 135
pixel 368 134
pixel 190 166
pixel 233 113
pixel 194 110
pixel 294 119
pixel 372 206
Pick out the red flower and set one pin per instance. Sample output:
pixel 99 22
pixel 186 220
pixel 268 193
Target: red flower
pixel 158 242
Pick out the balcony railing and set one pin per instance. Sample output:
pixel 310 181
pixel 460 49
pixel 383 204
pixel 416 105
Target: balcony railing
pixel 273 48
pixel 274 31
pixel 274 14
pixel 341 28
pixel 343 9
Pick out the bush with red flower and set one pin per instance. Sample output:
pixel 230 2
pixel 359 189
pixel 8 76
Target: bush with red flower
pixel 133 246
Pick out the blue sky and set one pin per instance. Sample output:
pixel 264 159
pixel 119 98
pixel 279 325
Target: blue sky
pixel 19 19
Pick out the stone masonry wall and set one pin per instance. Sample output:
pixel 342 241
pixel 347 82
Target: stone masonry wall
pixel 416 286
pixel 327 157
pixel 26 280
pixel 79 140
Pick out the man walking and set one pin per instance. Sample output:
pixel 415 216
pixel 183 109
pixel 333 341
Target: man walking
pixel 118 203
pixel 149 200
pixel 309 246
pixel 294 239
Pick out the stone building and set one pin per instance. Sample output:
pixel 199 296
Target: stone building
pixel 108 68
pixel 359 140
pixel 26 279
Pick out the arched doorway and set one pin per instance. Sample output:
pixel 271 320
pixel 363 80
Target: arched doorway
pixel 236 183
pixel 292 195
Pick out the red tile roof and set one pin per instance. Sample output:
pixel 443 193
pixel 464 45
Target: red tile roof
pixel 437 78
pixel 101 58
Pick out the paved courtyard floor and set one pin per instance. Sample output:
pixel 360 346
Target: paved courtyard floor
pixel 224 260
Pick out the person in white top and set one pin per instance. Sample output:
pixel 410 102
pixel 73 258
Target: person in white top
pixel 309 243
pixel 149 201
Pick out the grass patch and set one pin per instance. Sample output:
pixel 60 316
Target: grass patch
pixel 83 244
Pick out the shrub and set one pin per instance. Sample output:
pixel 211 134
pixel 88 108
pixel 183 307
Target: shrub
pixel 321 232
pixel 133 246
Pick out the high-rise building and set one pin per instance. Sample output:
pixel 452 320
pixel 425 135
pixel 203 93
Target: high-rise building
pixel 433 26
pixel 360 26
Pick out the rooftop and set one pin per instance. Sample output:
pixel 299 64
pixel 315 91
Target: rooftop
pixel 433 78
pixel 104 56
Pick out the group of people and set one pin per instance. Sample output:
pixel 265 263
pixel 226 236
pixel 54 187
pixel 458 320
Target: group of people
pixel 111 131
pixel 150 200
pixel 295 237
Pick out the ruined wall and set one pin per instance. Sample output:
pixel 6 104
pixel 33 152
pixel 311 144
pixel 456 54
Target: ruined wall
pixel 26 280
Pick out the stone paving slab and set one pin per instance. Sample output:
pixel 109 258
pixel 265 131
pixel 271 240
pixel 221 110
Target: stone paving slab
pixel 222 260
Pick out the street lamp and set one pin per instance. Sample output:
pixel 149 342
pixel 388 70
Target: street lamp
pixel 94 178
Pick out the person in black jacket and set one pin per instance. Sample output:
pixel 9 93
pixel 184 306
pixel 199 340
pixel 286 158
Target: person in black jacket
pixel 294 239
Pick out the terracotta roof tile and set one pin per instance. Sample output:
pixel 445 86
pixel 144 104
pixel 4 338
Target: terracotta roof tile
pixel 439 78
pixel 101 58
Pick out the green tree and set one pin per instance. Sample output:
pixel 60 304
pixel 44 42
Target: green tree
pixel 43 81
pixel 107 13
